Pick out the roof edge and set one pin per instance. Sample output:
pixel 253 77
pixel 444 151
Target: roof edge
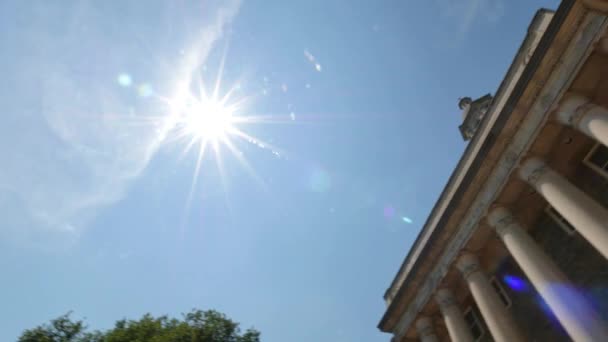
pixel 542 47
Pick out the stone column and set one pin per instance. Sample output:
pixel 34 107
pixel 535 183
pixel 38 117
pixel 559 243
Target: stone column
pixel 452 315
pixel 424 327
pixel 497 317
pixel 582 114
pixel 588 217
pixel 580 321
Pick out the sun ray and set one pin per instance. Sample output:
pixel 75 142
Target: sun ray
pixel 225 187
pixel 220 73
pixel 265 119
pixel 201 88
pixel 245 163
pixel 209 119
pixel 188 147
pixel 196 174
pixel 240 103
pixel 192 189
pixel 199 162
pixel 225 100
pixel 260 143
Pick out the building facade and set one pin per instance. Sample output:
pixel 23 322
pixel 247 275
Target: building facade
pixel 516 247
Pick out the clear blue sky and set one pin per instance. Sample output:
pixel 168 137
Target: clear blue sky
pixel 97 213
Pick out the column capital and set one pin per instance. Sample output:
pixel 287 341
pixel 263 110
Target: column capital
pixel 445 299
pixel 453 317
pixel 532 169
pixel 467 264
pixel 501 220
pixel 569 111
pixel 424 327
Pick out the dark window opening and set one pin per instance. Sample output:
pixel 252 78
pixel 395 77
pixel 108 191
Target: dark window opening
pixel 474 324
pixel 502 294
pixel 599 157
pixel 560 220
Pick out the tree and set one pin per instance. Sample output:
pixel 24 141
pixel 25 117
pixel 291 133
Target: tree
pixel 61 329
pixel 195 326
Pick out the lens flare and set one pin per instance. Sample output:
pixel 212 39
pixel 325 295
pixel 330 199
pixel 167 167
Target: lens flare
pixel 145 90
pixel 407 220
pixel 209 119
pixel 124 80
pixel 515 283
pixel 389 211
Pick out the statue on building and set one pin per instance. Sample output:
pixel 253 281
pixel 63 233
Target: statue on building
pixel 473 113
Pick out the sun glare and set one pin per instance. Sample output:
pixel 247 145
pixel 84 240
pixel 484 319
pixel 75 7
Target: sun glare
pixel 207 119
pixel 214 120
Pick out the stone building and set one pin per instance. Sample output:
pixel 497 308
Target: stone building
pixel 516 247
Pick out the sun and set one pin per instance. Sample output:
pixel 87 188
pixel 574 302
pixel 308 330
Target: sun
pixel 207 119
pixel 212 124
pixel 215 121
pixel 203 118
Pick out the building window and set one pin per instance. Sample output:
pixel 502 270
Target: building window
pixel 560 220
pixel 502 294
pixel 597 159
pixel 472 319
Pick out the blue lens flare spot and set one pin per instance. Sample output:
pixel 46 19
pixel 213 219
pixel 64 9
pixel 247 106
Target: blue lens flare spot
pixel 124 80
pixel 407 220
pixel 145 90
pixel 516 283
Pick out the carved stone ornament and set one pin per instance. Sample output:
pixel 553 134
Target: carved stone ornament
pixel 532 170
pixel 468 264
pixel 445 299
pixel 424 327
pixel 501 219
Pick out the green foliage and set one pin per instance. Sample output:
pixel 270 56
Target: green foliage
pixel 61 329
pixel 196 326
